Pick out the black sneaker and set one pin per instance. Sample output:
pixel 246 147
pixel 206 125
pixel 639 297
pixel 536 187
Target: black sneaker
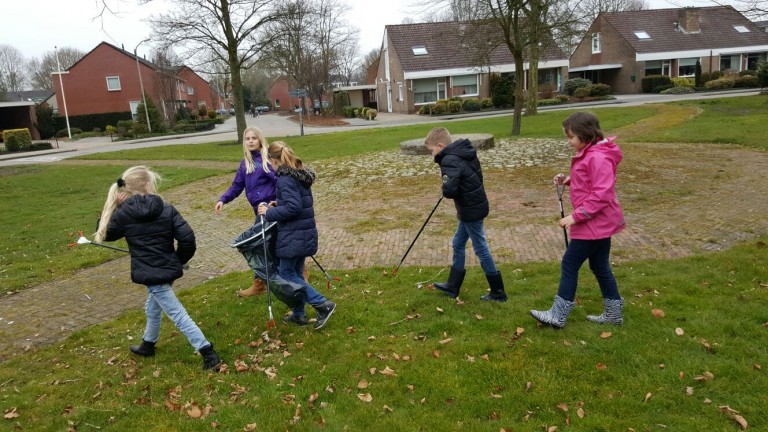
pixel 300 321
pixel 324 311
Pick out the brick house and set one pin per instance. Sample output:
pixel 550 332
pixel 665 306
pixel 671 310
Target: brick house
pixel 620 48
pixel 105 84
pixel 421 63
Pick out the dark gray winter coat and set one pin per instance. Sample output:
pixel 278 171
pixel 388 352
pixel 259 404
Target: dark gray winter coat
pixel 463 180
pixel 294 214
pixel 150 227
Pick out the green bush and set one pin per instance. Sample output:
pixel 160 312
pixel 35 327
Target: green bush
pixel 581 92
pixel 472 104
pixel 563 98
pixel 439 108
pixel 73 130
pixel 45 123
pixel 552 101
pixel 12 143
pixel 762 74
pixel 678 90
pixel 502 90
pixel 683 82
pixel 486 103
pixel 125 128
pixel 661 88
pixel 599 90
pixel 655 83
pixel 720 84
pixel 572 85
pixel 23 137
pixel 40 146
pixel 111 129
pixel 746 81
pixel 454 106
pixel 748 73
pixel 372 113
pixel 212 114
pixel 716 75
pixel 425 109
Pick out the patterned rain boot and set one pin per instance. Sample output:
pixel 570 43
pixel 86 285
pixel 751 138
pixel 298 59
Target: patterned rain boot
pixel 557 314
pixel 611 314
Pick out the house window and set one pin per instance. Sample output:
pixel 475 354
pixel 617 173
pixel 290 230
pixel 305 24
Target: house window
pixel 653 67
pixel 686 67
pixel 190 90
pixel 277 103
pixel 642 35
pixel 595 43
pixel 753 60
pixel 113 83
pixel 419 50
pixel 441 89
pixel 134 108
pixel 424 90
pixel 400 91
pixel 464 85
pixel 741 29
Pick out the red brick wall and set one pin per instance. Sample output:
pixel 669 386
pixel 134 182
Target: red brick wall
pixel 85 86
pixel 279 91
pixel 203 94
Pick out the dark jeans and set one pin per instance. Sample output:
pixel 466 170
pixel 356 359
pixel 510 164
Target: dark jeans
pixel 292 269
pixel 598 253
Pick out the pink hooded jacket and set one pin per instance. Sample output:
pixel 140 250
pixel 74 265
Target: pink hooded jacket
pixel 596 211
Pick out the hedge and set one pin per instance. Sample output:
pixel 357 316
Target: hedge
pixel 22 138
pixel 88 122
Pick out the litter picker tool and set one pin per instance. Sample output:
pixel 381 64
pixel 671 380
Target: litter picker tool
pixel 328 277
pixel 271 323
pixel 560 189
pixel 417 235
pixel 83 240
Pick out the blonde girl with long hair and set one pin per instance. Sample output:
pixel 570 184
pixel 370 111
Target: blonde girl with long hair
pixel 257 179
pixel 152 229
pixel 296 229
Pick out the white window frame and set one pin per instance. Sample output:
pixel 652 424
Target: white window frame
pixel 684 62
pixel 477 85
pixel 134 105
pixel 115 77
pixel 400 92
pixel 190 90
pixel 441 91
pixel 642 35
pixel 596 45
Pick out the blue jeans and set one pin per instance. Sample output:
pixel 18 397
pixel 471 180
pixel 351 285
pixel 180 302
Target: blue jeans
pixel 162 299
pixel 598 253
pixel 292 269
pixel 476 232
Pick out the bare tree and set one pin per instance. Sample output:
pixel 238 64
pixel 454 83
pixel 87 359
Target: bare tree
pixel 232 30
pixel 41 70
pixel 752 9
pixel 13 75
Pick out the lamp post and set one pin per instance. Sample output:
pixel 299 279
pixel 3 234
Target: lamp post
pixel 141 84
pixel 63 97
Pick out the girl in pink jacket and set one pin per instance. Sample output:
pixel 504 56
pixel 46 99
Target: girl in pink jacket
pixel 596 217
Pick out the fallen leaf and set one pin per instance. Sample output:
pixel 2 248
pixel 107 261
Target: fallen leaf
pixel 757 366
pixel 741 421
pixel 601 366
pixel 371 337
pixel 707 401
pixel 605 335
pixel 479 317
pixel 495 396
pixel 658 313
pixel 679 331
pixel 706 345
pixel 528 386
pixel 10 413
pixel 552 429
pixel 250 427
pixel 388 409
pixel 563 406
pixel 365 397
pixel 580 412
pixel 436 354
pixel 446 341
pixel 194 411
pixel 312 398
pixel 439 309
pixel 372 371
pixel 706 376
pixel 485 357
pixel 388 372
pixel 363 384
pixel 689 391
pixel 662 366
pixel 647 397
pixel 519 331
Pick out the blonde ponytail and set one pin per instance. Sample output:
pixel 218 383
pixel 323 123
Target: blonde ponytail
pixel 138 180
pixel 280 151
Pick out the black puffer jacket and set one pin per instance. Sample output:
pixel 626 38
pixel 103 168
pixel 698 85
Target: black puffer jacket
pixel 294 214
pixel 463 180
pixel 150 226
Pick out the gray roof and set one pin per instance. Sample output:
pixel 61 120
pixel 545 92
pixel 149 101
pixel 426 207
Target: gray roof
pixel 448 49
pixel 716 29
pixel 28 95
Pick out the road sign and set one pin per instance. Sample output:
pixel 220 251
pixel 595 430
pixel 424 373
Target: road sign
pixel 297 93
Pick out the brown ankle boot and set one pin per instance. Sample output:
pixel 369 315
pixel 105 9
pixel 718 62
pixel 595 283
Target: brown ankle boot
pixel 258 288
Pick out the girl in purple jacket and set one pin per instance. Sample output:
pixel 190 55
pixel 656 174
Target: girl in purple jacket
pixel 596 217
pixel 257 178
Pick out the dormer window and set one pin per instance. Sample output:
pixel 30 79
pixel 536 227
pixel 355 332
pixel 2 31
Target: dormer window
pixel 741 29
pixel 419 50
pixel 642 35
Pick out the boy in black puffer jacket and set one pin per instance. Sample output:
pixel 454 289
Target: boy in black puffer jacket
pixel 150 226
pixel 463 182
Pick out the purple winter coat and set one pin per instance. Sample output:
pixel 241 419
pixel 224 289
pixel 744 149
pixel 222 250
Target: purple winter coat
pixel 596 211
pixel 259 185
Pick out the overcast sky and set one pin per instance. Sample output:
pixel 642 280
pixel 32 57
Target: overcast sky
pixel 36 26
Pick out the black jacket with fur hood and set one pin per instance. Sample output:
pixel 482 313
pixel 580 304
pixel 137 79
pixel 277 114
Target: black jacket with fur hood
pixel 294 214
pixel 150 227
pixel 463 180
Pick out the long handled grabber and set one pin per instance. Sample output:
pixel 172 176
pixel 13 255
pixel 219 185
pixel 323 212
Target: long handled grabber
pixel 328 277
pixel 83 240
pixel 560 189
pixel 394 272
pixel 271 323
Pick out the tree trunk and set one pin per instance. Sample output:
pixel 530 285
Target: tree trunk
pixel 517 117
pixel 532 103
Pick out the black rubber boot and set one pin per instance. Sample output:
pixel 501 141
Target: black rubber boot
pixel 452 287
pixel 497 288
pixel 146 349
pixel 211 360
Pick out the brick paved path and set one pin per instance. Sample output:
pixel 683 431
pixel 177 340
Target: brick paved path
pixel 678 200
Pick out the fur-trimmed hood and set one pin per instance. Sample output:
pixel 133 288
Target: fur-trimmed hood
pixel 305 176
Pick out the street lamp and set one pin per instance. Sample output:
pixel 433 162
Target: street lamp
pixel 141 84
pixel 63 97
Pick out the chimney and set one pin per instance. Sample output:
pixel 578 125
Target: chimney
pixel 688 19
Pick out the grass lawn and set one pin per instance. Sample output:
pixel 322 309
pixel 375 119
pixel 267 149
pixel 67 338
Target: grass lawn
pixel 394 354
pixel 397 356
pixel 45 206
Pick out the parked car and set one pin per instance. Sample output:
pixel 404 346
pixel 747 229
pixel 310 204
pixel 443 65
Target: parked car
pixel 262 108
